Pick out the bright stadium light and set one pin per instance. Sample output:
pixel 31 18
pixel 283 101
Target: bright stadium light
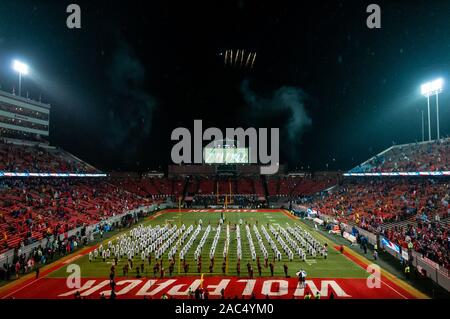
pixel 21 68
pixel 432 88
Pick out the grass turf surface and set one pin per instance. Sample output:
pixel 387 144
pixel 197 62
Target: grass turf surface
pixel 335 266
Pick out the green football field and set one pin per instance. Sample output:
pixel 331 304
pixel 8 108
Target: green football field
pixel 335 266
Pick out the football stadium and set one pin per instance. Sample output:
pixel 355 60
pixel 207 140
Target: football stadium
pixel 222 229
pixel 107 191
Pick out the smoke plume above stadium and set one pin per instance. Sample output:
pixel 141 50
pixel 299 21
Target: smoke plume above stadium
pixel 287 104
pixel 132 112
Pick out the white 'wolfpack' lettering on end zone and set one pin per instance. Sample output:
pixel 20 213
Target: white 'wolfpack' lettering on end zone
pixel 152 287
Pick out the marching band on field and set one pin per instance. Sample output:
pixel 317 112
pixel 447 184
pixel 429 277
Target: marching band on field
pixel 145 241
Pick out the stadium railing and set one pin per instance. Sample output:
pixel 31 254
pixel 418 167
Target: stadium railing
pixel 372 238
pixel 435 272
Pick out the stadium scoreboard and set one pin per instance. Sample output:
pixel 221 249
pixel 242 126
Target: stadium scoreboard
pixel 227 155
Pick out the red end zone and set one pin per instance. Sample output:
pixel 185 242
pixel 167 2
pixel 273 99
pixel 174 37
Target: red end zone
pixel 178 287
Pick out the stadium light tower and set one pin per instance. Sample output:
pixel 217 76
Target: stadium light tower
pixel 430 88
pixel 21 68
pixel 423 129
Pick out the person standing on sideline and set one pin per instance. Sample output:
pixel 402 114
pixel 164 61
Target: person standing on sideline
pixel 37 270
pixel 407 271
pixel 17 269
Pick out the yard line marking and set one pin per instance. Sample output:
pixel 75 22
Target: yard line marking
pixel 21 288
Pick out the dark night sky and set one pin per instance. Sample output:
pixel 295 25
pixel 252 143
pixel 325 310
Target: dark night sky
pixel 338 91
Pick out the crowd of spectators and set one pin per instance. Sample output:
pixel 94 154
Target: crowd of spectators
pixel 33 208
pixel 404 210
pixel 428 156
pixel 23 263
pixel 155 188
pixel 56 247
pixel 430 238
pixel 300 185
pixel 242 201
pixel 204 188
pixel 39 159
